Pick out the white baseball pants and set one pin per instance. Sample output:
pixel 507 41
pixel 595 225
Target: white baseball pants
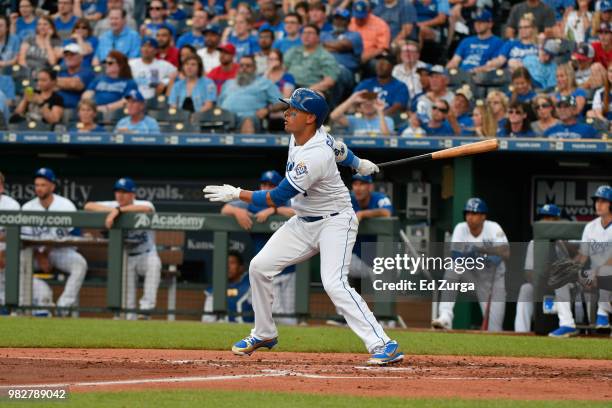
pixel 284 297
pixel 298 240
pixel 148 265
pixel 524 309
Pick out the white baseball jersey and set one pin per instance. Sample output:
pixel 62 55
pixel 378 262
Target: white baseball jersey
pixel 7 204
pixel 491 235
pixel 145 75
pixel 312 170
pixel 141 240
pixel 60 204
pixel 597 242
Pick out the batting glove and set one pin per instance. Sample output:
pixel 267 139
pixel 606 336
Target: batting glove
pixel 224 193
pixel 366 167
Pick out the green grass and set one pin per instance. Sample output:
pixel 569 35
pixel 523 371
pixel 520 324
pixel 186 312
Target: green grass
pixel 219 399
pixel 99 333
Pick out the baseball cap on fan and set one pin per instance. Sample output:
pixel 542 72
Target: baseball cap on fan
pixel 484 16
pixel 567 100
pixel 135 95
pixel 584 52
pixel 270 176
pixel 552 47
pixel 125 184
pixel 228 48
pixel 360 9
pixel 72 48
pixel 605 5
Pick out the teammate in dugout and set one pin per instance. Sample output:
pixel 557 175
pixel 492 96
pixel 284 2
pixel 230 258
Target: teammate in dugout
pixel 476 237
pixel 524 304
pixel 65 259
pixel 284 283
pixel 238 293
pixel 141 250
pixel 7 203
pixel 324 223
pixel 596 247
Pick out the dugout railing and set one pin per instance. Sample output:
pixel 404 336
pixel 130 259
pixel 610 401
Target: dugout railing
pixel 385 230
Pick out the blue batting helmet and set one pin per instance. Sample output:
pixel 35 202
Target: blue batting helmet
pixel 45 173
pixel 604 192
pixel 476 205
pixel 271 176
pixel 550 210
pixel 365 179
pixel 310 101
pixel 125 184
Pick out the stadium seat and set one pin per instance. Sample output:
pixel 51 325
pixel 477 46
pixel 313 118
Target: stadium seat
pixel 111 118
pixel 157 104
pixel 498 77
pixel 458 78
pixel 178 127
pixel 170 116
pixel 30 125
pixel 214 120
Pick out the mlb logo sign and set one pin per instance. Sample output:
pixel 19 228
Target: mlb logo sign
pixel 301 169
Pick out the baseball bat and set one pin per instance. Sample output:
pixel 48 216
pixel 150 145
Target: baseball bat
pixel 458 151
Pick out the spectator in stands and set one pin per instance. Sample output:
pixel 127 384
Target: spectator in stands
pixel 497 102
pixel 250 97
pixel 82 35
pixel 345 45
pixel 165 46
pixel 175 13
pixel 65 259
pixel 542 67
pixel 210 53
pixel 195 37
pixel 541 15
pixel 401 18
pixel 566 86
pixel 92 10
pixel 158 14
pixel 238 294
pixel 273 21
pixel 585 77
pixel 603 47
pixel 195 92
pixel 136 121
pixel 483 122
pixel 152 75
pixel 570 127
pixel 87 111
pixel 227 69
pixel 104 25
pixel 9 44
pixel 74 78
pixel 277 73
pixel 240 37
pixel 514 52
pixel 302 8
pixel 544 108
pixel 369 119
pixel 43 104
pixel 521 89
pixel 65 19
pixel 519 121
pixel 25 23
pixel 292 38
pixel 431 19
pixel 142 257
pixel 312 65
pixel 119 38
pixel 439 124
pixel 317 15
pixel 393 92
pixel 43 49
pixel 578 22
pixel 476 51
pixel 110 89
pixel 602 101
pixel 438 82
pixel 461 109
pixel 406 71
pixel 265 40
pixel 374 31
pixel 414 128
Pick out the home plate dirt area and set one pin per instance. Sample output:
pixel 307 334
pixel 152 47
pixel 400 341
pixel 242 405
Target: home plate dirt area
pixel 86 370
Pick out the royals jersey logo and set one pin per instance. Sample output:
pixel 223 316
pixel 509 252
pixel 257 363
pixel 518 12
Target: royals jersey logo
pixel 301 168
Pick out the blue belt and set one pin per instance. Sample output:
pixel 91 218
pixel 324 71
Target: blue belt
pixel 139 253
pixel 314 219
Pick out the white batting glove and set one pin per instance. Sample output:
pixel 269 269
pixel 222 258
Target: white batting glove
pixel 366 167
pixel 224 193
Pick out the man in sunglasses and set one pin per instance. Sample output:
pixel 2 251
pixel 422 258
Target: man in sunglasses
pixel 438 124
pixel 570 128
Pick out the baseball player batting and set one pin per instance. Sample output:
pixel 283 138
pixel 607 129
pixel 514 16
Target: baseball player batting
pixel 324 223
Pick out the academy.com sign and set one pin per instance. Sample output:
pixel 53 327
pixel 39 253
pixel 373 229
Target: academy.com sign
pixel 36 220
pixel 169 222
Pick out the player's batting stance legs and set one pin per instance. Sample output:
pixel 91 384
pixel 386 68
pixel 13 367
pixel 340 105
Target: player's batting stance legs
pixel 324 222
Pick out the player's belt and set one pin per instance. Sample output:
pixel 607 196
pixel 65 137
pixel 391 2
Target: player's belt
pixel 314 219
pixel 139 253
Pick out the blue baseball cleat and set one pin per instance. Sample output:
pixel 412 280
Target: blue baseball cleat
pixel 386 354
pixel 602 322
pixel 564 332
pixel 248 345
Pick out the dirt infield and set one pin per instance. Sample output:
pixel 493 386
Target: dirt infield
pixel 86 370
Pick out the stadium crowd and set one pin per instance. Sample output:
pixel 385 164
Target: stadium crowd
pixel 396 67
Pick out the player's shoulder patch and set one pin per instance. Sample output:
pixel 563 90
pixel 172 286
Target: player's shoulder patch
pixel 301 168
